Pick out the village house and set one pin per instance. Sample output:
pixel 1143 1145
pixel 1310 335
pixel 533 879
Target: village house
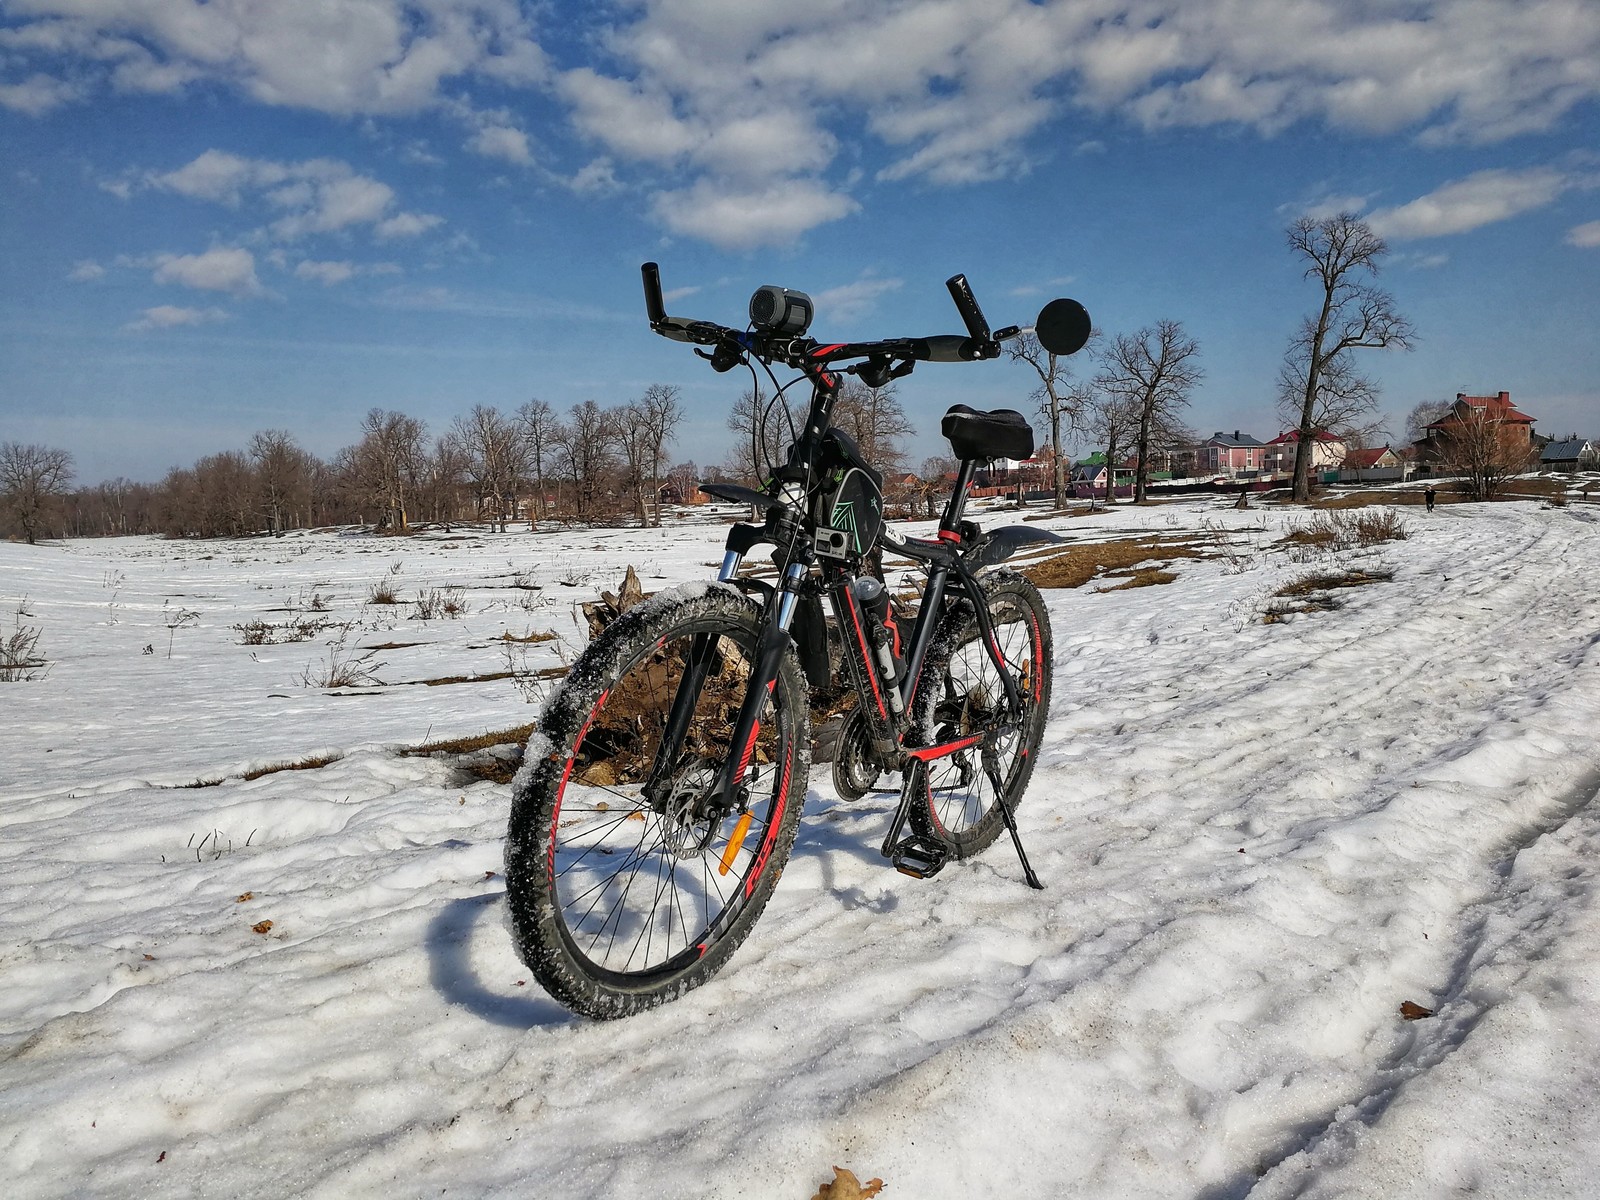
pixel 1570 454
pixel 1514 424
pixel 1229 454
pixel 1326 451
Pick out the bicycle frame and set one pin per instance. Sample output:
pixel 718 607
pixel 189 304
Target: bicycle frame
pixel 787 526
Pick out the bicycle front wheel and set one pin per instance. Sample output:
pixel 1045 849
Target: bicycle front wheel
pixel 961 696
pixel 621 900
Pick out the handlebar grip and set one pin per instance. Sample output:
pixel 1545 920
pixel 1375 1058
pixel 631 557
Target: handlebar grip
pixel 655 308
pixel 967 306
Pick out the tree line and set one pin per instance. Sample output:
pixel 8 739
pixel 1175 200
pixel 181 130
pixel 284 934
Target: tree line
pixel 595 464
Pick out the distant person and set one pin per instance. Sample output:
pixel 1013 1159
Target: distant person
pixel 1429 495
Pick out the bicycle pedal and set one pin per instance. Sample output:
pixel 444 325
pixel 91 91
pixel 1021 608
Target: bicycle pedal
pixel 919 857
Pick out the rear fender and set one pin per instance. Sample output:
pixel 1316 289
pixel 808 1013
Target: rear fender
pixel 1000 544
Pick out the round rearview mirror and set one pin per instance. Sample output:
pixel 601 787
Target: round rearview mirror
pixel 1062 327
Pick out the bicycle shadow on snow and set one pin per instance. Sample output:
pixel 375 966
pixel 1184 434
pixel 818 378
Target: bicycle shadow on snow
pixel 459 924
pixel 449 941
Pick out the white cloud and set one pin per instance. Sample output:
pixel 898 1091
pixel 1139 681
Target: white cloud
pixel 1464 204
pixel 740 219
pixel 167 316
pixel 1585 236
pixel 37 95
pixel 319 195
pixel 503 142
pixel 406 225
pixel 221 269
pixel 330 273
pixel 852 300
pixel 84 271
pixel 598 178
pixel 335 56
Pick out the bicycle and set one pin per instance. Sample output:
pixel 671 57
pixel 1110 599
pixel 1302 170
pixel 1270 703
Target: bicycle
pixel 662 790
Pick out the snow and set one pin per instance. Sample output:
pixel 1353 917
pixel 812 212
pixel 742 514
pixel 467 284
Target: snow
pixel 1257 840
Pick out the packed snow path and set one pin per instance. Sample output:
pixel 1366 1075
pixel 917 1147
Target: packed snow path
pixel 1257 840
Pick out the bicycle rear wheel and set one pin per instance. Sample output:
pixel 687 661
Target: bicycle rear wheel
pixel 961 697
pixel 620 901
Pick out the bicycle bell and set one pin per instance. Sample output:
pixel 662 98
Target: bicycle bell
pixel 780 310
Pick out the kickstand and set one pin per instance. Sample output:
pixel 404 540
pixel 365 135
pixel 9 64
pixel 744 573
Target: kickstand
pixel 1011 828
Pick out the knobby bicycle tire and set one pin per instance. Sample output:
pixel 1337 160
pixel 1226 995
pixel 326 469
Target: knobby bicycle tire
pixel 617 904
pixel 960 695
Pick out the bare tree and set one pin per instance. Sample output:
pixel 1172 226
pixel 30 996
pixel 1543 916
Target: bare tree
pixel 585 446
pixel 539 426
pixel 1112 418
pixel 1353 315
pixel 876 420
pixel 1346 403
pixel 32 481
pixel 660 414
pixel 764 427
pixel 1061 404
pixel 283 476
pixel 440 479
pixel 1422 415
pixel 1153 371
pixel 1484 449
pixel 633 439
pixel 387 461
pixel 497 455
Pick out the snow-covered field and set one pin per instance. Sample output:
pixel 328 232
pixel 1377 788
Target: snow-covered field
pixel 1258 840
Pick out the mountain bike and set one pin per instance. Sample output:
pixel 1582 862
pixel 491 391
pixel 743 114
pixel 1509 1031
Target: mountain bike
pixel 660 795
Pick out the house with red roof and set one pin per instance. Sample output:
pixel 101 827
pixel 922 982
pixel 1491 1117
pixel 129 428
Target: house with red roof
pixel 1516 424
pixel 1281 452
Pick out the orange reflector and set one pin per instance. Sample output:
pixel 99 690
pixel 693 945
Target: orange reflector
pixel 737 840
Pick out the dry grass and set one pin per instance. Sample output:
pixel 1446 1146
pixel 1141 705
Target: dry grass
pixel 1077 564
pixel 309 763
pixel 532 636
pixel 1144 577
pixel 496 768
pixel 1314 592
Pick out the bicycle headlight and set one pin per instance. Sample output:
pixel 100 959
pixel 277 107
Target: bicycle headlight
pixel 779 310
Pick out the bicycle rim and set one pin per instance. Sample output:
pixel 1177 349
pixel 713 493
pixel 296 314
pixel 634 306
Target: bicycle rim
pixel 641 890
pixel 970 706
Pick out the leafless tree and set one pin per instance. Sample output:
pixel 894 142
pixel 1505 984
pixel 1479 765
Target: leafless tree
pixel 1484 450
pixel 497 458
pixel 283 477
pixel 763 427
pixel 387 462
pixel 876 420
pixel 1062 405
pixel 1422 415
pixel 1112 418
pixel 32 481
pixel 1153 371
pixel 539 426
pixel 1346 403
pixel 659 414
pixel 441 479
pixel 585 445
pixel 1339 252
pixel 634 440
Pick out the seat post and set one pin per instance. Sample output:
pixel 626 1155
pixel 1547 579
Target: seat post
pixel 951 521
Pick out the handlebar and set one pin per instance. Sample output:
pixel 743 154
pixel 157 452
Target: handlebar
pixel 799 352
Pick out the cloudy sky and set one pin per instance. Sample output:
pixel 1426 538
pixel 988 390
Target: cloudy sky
pixel 224 216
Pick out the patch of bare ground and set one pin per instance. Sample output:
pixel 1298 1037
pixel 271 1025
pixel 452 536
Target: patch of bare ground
pixel 310 763
pixel 493 756
pixel 1314 592
pixel 393 645
pixel 1144 577
pixel 1077 564
pixel 532 636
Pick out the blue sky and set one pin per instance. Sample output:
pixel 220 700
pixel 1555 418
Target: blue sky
pixel 230 216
